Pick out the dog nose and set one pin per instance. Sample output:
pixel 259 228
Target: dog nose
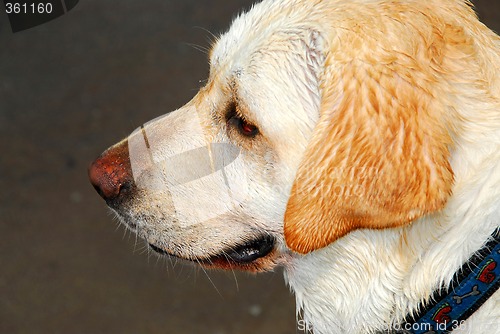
pixel 111 173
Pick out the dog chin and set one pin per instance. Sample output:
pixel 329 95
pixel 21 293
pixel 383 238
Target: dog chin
pixel 257 255
pixel 129 223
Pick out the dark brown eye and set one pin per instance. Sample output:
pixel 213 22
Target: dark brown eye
pixel 246 129
pixel 240 124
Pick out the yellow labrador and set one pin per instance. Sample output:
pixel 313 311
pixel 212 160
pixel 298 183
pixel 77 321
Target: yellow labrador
pixel 356 143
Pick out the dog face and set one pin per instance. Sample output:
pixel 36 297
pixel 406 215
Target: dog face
pixel 210 182
pixel 305 130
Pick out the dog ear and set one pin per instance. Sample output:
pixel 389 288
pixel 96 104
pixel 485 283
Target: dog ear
pixel 378 158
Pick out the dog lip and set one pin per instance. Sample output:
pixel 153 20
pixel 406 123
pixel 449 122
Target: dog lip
pixel 250 251
pixel 159 250
pixel 241 254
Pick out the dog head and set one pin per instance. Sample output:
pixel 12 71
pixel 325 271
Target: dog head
pixel 314 122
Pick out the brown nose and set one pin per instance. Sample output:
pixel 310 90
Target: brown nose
pixel 111 174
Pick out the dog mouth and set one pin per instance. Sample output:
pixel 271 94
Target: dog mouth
pixel 242 254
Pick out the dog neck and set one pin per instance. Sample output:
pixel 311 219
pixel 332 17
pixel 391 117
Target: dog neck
pixel 472 286
pixel 370 280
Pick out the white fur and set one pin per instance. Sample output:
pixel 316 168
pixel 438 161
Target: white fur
pixel 273 59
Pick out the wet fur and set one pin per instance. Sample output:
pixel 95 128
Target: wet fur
pixel 378 155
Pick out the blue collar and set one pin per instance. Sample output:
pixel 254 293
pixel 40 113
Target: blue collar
pixel 471 286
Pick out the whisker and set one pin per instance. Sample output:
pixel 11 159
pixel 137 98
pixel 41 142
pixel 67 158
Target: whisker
pixel 212 282
pixel 198 47
pixel 232 270
pixel 136 240
pixel 212 38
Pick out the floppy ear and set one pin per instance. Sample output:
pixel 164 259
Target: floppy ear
pixel 378 157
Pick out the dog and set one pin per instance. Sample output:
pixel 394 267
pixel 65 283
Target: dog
pixel 354 143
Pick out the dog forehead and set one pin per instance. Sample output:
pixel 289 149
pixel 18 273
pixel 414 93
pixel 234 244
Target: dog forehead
pixel 263 54
pixel 256 28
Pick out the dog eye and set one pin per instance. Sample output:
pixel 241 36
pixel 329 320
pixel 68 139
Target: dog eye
pixel 244 128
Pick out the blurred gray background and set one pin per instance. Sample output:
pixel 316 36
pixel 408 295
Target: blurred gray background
pixel 69 89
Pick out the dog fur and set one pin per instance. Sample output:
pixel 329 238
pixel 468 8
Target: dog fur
pixel 376 166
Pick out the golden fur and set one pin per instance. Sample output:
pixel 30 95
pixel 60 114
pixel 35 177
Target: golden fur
pixel 373 176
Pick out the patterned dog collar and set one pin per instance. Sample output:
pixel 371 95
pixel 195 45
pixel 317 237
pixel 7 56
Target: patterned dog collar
pixel 471 286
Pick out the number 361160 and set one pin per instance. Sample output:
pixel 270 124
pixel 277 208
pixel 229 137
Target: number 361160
pixel 28 8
